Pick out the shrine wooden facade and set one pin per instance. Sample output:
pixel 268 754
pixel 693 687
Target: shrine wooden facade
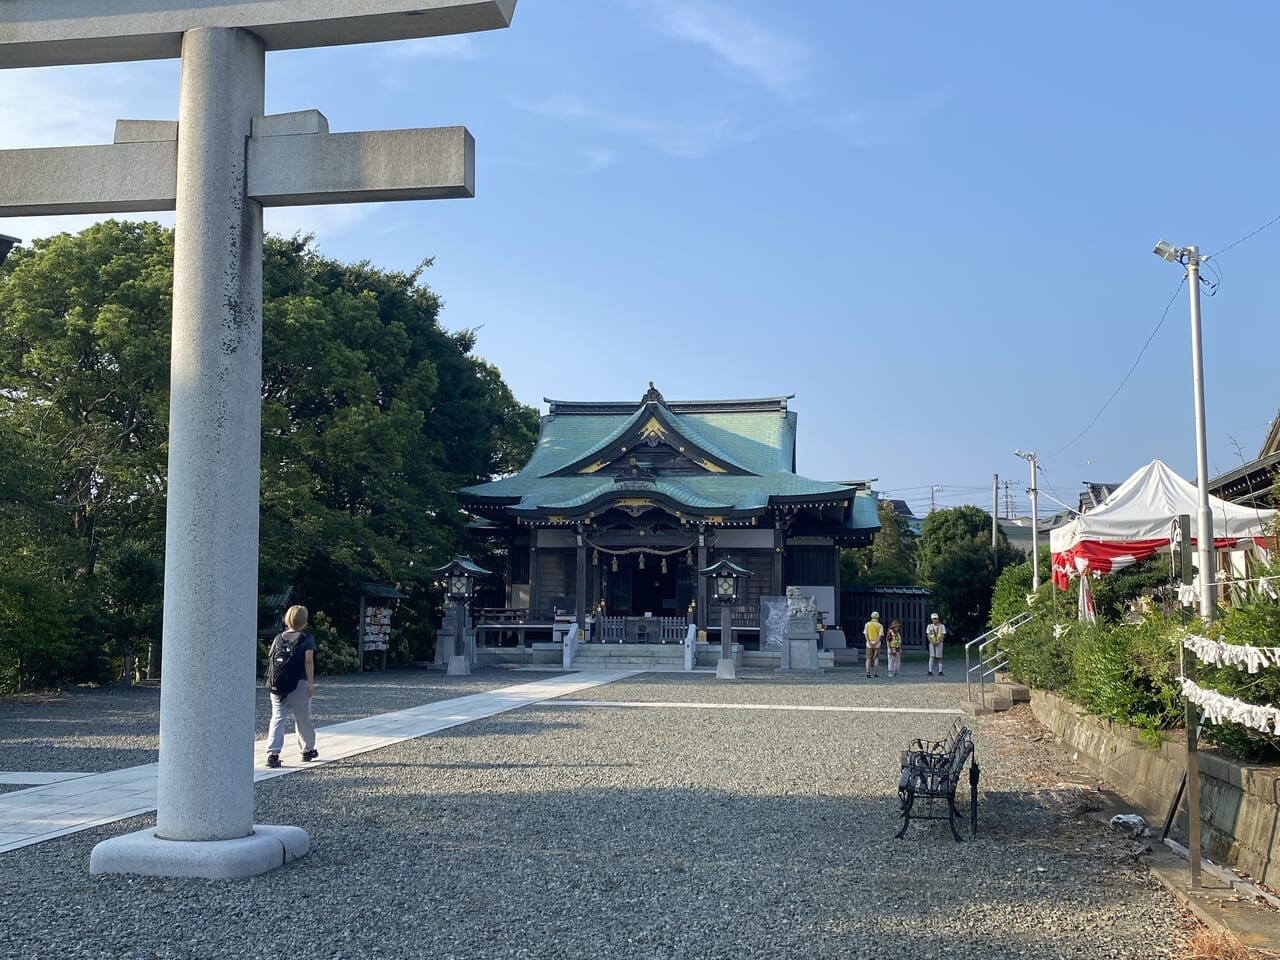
pixel 622 503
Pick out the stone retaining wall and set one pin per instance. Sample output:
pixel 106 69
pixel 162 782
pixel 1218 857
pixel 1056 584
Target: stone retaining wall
pixel 1239 804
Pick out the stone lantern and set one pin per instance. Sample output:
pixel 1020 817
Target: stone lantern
pixel 724 584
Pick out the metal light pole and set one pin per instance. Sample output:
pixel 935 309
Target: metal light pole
pixel 1190 257
pixel 1204 516
pixel 1035 521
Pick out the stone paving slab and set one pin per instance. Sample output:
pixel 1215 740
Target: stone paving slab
pixel 36 778
pixel 68 803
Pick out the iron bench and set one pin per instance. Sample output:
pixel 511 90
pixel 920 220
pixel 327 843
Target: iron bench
pixel 931 770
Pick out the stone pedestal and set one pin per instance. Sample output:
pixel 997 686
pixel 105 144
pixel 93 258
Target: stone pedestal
pixel 266 848
pixel 800 653
pixel 800 643
pixel 447 639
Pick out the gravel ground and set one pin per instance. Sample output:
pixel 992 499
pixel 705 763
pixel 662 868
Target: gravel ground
pixel 598 831
pixel 99 729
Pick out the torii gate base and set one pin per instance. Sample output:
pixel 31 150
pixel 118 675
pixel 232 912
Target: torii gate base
pixel 143 852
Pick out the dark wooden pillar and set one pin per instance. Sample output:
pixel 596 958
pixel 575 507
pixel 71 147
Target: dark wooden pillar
pixel 580 586
pixel 779 554
pixel 835 606
pixel 533 573
pixel 701 591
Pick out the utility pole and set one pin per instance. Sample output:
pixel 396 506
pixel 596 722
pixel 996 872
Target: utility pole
pixel 1008 500
pixel 995 524
pixel 1035 521
pixel 933 488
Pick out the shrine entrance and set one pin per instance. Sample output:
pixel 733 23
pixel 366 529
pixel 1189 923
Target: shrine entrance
pixel 663 587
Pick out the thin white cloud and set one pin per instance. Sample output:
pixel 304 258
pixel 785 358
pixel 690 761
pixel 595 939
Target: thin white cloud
pixel 73 106
pixel 598 158
pixel 325 222
pixel 779 62
pixel 455 47
pixel 57 108
pixel 28 229
pixel 686 138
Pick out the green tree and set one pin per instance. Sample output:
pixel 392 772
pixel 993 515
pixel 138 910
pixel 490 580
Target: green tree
pixel 84 334
pixel 957 565
pixel 373 414
pixel 891 558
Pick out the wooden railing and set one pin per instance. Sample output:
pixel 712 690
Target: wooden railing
pixel 641 629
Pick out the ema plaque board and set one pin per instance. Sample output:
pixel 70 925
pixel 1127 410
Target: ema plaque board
pixel 42 33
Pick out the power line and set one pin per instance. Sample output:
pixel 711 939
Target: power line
pixel 1117 390
pixel 1247 236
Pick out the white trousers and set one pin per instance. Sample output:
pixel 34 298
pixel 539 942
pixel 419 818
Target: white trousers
pixel 299 704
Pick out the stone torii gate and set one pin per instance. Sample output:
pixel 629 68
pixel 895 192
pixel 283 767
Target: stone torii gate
pixel 217 167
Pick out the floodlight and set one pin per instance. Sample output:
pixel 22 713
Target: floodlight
pixel 1167 250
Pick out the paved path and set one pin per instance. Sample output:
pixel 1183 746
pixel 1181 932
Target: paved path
pixel 64 803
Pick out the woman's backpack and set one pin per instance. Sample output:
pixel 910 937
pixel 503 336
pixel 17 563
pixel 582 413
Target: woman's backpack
pixel 286 663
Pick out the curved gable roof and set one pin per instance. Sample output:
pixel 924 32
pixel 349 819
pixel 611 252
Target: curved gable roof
pixel 747 449
pixel 653 424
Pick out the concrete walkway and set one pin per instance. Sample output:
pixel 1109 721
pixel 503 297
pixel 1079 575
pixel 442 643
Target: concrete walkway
pixel 66 803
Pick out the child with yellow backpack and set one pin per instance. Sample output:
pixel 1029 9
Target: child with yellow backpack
pixel 894 643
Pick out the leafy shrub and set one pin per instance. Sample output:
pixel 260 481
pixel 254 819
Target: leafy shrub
pixel 334 653
pixel 39 646
pixel 1039 653
pixel 1009 597
pixel 1127 673
pixel 1253 623
pixel 1112 592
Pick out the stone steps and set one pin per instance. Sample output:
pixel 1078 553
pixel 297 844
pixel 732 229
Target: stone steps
pixel 1017 692
pixel 1001 695
pixel 659 656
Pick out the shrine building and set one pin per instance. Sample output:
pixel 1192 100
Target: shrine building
pixel 622 503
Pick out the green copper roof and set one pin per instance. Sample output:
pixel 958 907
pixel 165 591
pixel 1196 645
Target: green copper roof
pixel 742 453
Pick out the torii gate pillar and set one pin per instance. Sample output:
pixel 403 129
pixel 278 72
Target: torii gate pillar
pixel 215 425
pixel 227 161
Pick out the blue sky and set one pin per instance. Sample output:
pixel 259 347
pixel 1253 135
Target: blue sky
pixel 931 222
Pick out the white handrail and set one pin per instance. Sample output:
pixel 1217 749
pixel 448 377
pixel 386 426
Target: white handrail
pixel 570 647
pixel 985 667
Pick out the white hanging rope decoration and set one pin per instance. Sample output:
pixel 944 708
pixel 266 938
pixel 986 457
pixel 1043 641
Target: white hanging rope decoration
pixel 1221 709
pixel 1215 653
pixel 627 551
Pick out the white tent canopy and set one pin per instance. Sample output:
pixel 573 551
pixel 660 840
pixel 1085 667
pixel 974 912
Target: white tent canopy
pixel 1136 521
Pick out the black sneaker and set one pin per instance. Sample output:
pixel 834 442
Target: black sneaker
pixel 273 760
pixel 309 755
